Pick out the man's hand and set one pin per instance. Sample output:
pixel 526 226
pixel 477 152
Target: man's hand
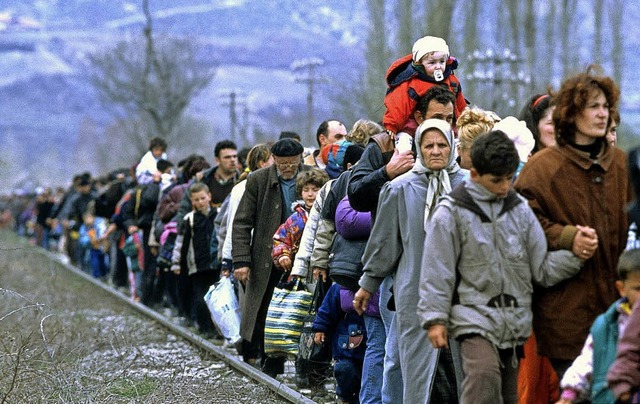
pixel 285 263
pixel 438 336
pixel 320 273
pixel 318 338
pixel 242 274
pixel 361 300
pixel 585 243
pixel 400 163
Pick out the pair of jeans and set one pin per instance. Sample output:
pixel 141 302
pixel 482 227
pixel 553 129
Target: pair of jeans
pixel 392 386
pixel 99 267
pixel 373 365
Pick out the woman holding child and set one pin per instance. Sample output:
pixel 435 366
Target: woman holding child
pixel 395 248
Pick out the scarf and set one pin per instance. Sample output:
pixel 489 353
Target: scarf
pixel 439 183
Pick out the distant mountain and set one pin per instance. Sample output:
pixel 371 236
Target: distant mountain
pixel 45 96
pixel 46 99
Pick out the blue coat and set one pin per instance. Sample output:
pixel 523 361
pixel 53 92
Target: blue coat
pixel 341 326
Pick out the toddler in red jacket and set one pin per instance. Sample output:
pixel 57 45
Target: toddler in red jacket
pixel 409 78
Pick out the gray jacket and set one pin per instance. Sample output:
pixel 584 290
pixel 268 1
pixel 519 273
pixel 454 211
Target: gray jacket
pixel 480 259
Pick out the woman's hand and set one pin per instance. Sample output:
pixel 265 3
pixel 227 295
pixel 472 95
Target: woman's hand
pixel 585 242
pixel 361 300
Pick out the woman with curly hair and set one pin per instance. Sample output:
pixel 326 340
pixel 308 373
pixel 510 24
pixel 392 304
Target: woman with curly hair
pixel 578 189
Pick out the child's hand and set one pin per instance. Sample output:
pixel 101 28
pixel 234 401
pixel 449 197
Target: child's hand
pixel 318 338
pixel 438 336
pixel 625 397
pixel 285 263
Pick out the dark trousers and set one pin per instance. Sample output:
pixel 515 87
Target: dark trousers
pixel 118 262
pixel 171 291
pixel 185 293
pixel 149 271
pixel 348 373
pixel 254 349
pixel 200 282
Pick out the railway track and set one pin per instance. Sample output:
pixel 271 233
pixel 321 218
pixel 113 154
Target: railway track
pixel 74 338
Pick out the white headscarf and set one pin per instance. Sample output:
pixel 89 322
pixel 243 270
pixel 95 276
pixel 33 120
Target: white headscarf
pixel 439 183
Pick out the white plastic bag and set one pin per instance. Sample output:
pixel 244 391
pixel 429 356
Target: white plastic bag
pixel 225 311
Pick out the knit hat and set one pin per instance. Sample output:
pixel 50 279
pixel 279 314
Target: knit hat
pixel 518 132
pixel 286 147
pixel 428 44
pixel 332 155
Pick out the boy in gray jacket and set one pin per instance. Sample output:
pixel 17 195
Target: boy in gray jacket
pixel 484 248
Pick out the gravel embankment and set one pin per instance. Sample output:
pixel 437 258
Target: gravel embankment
pixel 64 340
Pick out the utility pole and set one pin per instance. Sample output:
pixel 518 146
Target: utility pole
pixel 304 71
pixel 233 99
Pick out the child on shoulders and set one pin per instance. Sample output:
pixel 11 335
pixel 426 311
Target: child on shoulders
pixel 409 78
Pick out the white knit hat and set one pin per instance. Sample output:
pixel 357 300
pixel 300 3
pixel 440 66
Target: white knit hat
pixel 428 44
pixel 518 132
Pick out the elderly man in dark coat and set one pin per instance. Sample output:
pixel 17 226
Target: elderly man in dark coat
pixel 265 205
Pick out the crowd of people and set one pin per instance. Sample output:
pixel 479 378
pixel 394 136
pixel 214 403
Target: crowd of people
pixel 464 257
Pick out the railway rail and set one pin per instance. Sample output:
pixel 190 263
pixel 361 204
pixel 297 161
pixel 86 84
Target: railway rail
pixel 68 336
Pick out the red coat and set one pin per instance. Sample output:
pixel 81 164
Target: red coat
pixel 407 85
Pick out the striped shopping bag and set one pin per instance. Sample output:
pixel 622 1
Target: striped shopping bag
pixel 289 306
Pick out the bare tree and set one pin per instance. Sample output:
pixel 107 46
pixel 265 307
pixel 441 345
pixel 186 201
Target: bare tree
pixel 365 98
pixel 405 23
pixel 550 42
pixel 598 18
pixel 150 79
pixel 616 11
pixel 566 24
pixel 530 32
pixel 439 18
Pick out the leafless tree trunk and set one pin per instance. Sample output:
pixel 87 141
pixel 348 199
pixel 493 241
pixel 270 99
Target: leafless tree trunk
pixel 439 18
pixel 616 11
pixel 597 32
pixel 566 24
pixel 405 25
pixel 550 42
pixel 530 33
pixel 471 43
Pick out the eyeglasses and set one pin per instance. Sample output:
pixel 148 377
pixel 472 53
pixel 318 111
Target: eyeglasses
pixel 288 165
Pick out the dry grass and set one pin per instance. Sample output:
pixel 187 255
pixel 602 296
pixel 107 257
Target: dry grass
pixel 61 340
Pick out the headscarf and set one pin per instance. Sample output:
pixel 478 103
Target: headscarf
pixel 439 183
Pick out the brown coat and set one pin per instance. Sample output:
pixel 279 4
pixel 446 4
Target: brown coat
pixel 566 188
pixel 260 211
